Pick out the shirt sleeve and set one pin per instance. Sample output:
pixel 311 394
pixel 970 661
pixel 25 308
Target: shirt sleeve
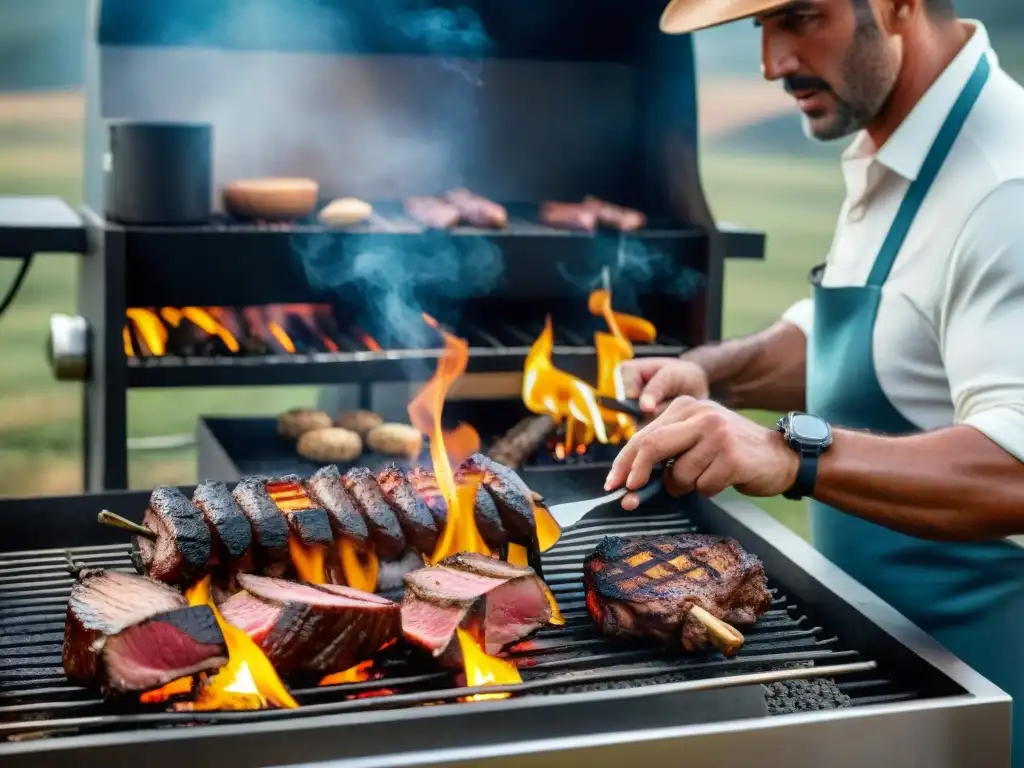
pixel 801 315
pixel 982 319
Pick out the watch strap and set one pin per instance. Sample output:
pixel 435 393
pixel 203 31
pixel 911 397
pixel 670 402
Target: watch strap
pixel 806 477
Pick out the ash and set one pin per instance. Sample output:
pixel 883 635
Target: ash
pixel 789 696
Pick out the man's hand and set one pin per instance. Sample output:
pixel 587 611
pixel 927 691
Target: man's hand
pixel 714 449
pixel 658 380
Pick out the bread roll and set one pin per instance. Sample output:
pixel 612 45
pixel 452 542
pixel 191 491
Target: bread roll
pixel 358 421
pixel 272 199
pixel 329 446
pixel 291 424
pixel 346 211
pixel 395 440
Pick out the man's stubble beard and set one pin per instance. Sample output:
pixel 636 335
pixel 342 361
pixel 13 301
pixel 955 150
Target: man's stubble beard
pixel 868 76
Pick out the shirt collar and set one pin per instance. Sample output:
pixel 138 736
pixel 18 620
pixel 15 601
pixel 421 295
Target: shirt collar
pixel 905 151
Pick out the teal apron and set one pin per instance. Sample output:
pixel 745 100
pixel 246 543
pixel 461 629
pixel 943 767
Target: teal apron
pixel 970 596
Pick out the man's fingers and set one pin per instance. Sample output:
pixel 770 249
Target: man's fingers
pixel 668 442
pixel 635 373
pixel 678 410
pixel 716 478
pixel 683 476
pixel 659 388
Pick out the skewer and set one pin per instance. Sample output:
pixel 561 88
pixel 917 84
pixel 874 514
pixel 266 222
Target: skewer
pixel 725 637
pixel 106 517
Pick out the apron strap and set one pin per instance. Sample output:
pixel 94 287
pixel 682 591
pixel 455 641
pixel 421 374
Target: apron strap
pixel 933 162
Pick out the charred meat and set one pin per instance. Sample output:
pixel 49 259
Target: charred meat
pixel 229 528
pixel 510 494
pixel 269 527
pixel 648 586
pixel 181 551
pixel 327 490
pixel 485 511
pixel 318 629
pixel 306 521
pixel 413 515
pixel 503 602
pixel 129 633
pixel 381 521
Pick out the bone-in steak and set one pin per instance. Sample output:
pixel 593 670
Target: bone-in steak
pixel 305 628
pixel 645 587
pixel 505 601
pixel 130 633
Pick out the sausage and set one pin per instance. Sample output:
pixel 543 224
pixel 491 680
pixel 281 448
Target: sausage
pixel 615 216
pixel 432 212
pixel 477 211
pixel 576 216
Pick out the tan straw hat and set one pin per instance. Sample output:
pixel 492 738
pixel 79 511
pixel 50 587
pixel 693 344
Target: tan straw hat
pixel 682 16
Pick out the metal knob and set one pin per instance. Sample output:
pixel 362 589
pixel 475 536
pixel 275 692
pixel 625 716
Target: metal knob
pixel 68 347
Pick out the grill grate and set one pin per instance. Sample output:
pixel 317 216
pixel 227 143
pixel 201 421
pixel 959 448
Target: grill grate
pixel 36 700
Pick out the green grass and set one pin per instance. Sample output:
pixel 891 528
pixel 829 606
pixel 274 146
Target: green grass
pixel 793 199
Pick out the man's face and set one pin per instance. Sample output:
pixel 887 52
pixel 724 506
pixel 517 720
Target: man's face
pixel 834 59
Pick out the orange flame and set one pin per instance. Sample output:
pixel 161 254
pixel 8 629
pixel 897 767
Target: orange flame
pixel 357 674
pixel 460 532
pixel 482 669
pixel 366 339
pixel 151 331
pixel 282 338
pixel 620 324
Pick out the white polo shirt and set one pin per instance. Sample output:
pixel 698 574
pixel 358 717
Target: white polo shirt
pixel 949 338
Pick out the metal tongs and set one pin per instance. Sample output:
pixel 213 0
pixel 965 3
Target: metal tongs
pixel 570 513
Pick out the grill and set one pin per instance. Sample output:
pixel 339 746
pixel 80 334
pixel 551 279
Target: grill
pixel 823 663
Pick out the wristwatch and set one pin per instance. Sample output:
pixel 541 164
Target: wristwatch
pixel 810 437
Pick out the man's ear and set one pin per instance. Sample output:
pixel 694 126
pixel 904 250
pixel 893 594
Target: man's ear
pixel 898 14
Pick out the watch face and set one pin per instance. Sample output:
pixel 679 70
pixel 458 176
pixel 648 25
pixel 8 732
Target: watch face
pixel 808 428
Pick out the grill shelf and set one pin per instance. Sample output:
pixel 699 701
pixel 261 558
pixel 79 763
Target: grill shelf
pixel 36 700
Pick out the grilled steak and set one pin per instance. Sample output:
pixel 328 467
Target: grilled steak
pixel 269 527
pixel 183 547
pixel 326 489
pixel 576 216
pixel 230 530
pixel 381 521
pixel 432 212
pixel 511 495
pixel 305 628
pixel 306 522
pixel 477 211
pixel 645 587
pixel 130 633
pixel 413 515
pixel 505 602
pixel 615 216
pixel 485 511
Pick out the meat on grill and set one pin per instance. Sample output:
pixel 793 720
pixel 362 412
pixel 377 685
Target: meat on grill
pixel 231 534
pixel 510 494
pixel 476 210
pixel 568 216
pixel 269 527
pixel 522 441
pixel 646 587
pixel 320 629
pixel 418 525
pixel 432 212
pixel 502 602
pixel 615 216
pixel 182 548
pixel 326 489
pixel 381 520
pixel 402 514
pixel 485 511
pixel 125 633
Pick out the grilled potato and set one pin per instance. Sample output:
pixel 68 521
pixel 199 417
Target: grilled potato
pixel 294 423
pixel 395 440
pixel 358 421
pixel 329 445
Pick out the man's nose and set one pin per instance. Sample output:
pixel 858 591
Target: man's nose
pixel 778 57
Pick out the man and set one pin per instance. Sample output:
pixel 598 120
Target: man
pixel 910 354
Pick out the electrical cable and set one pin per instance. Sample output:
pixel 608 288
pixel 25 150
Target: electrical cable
pixel 15 286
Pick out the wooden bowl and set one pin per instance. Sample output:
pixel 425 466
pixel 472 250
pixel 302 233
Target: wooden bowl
pixel 271 199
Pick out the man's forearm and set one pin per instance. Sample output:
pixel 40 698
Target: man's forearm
pixel 951 485
pixel 766 370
